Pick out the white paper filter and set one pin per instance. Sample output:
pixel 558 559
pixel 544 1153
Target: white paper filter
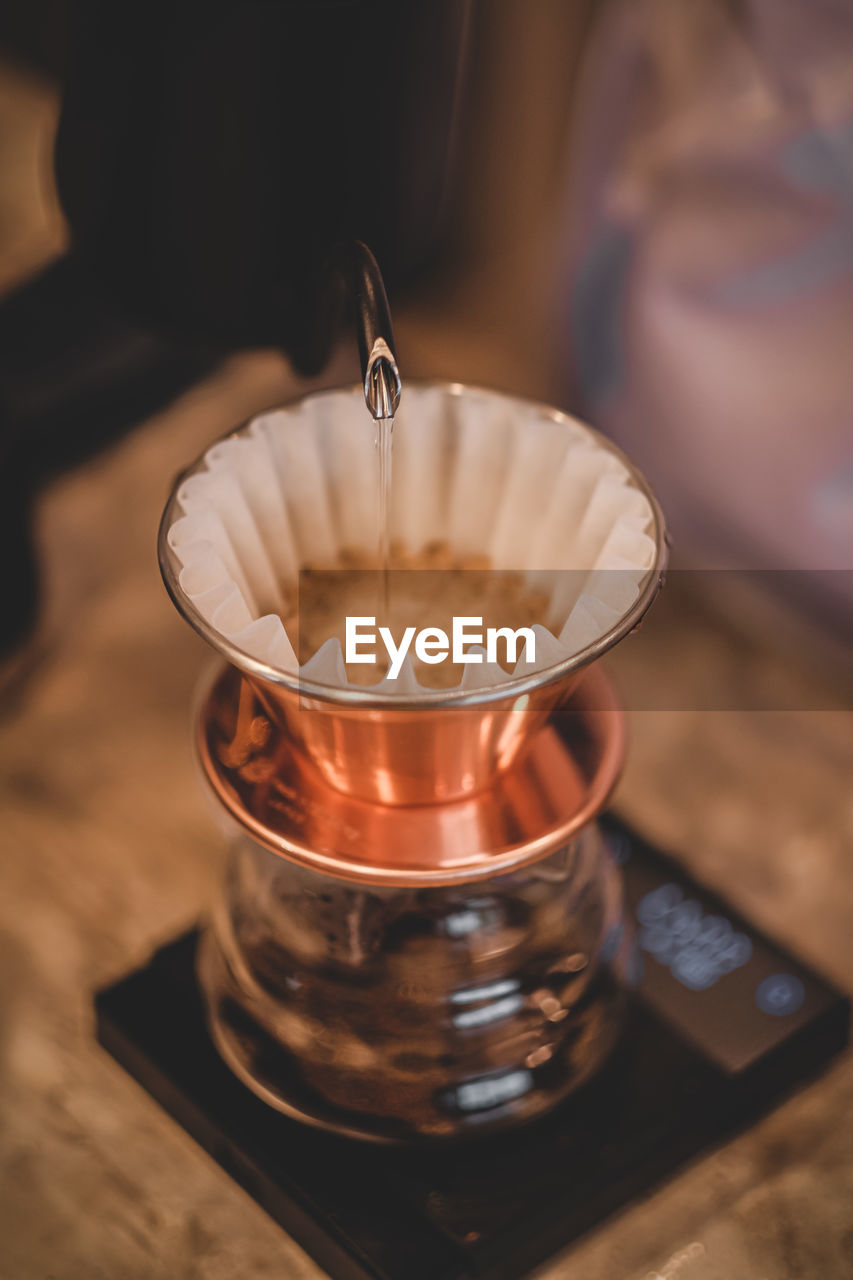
pixel 486 474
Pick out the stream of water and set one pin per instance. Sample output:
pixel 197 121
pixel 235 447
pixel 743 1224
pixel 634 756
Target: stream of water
pixel 385 440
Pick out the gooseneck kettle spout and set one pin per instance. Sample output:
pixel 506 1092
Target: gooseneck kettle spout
pixel 352 282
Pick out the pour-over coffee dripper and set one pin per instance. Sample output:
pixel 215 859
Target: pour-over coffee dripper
pixel 535 491
pixel 420 935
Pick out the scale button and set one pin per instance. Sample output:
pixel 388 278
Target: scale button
pixel 779 994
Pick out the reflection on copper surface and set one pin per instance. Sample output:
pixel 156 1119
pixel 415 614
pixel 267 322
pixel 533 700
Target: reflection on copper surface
pixel 406 756
pixel 286 799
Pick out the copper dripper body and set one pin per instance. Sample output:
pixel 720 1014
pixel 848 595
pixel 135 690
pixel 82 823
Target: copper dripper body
pixel 412 755
pixel 280 796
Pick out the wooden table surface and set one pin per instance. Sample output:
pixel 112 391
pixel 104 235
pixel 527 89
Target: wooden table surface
pixel 108 850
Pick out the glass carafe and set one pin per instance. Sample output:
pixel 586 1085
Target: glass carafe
pixel 403 1012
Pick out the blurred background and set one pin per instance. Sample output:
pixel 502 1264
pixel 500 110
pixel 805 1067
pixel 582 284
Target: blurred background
pixel 641 212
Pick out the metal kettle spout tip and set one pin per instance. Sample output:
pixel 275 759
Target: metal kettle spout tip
pixel 351 281
pixel 382 385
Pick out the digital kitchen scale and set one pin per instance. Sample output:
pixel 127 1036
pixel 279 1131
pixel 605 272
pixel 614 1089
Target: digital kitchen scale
pixel 723 1025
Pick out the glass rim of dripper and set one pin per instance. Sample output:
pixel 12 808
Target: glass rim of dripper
pixel 388 700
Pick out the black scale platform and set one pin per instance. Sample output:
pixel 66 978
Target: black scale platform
pixel 723 1026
